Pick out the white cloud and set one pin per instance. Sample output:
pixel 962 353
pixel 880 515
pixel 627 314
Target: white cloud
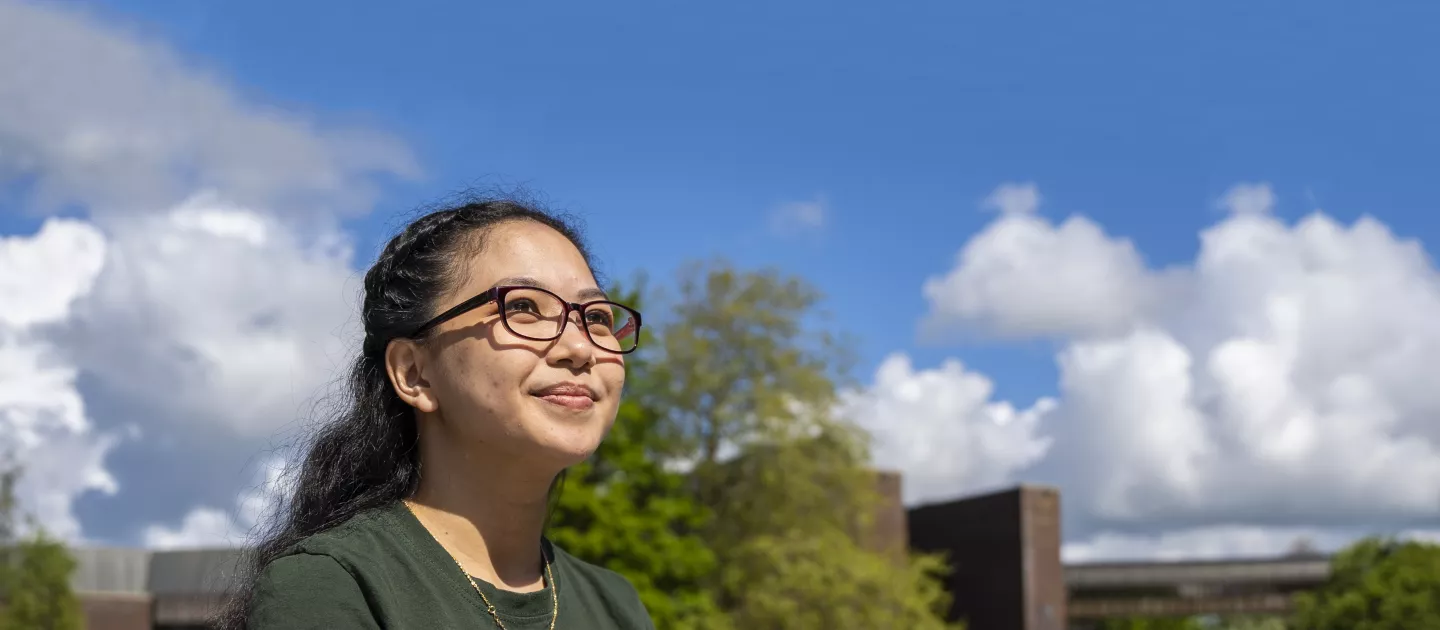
pixel 213 319
pixel 46 272
pixel 1014 199
pixel 96 116
pixel 1128 401
pixel 205 288
pixel 942 431
pixel 43 421
pixel 1286 376
pixel 1205 543
pixel 219 314
pixel 799 216
pixel 1022 276
pixel 214 527
pixel 1224 541
pixel 1252 199
pixel 1431 536
pixel 201 527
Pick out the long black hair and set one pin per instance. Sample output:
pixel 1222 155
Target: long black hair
pixel 366 456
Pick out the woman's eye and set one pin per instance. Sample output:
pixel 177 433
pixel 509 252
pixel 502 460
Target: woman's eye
pixel 520 306
pixel 599 318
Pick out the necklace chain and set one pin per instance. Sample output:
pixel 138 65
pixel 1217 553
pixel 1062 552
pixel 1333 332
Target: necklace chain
pixel 489 607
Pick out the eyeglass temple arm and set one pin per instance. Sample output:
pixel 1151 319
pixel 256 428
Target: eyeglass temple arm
pixel 472 303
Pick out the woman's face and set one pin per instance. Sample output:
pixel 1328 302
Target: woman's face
pixel 547 402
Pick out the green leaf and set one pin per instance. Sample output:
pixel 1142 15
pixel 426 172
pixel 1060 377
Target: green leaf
pixel 34 573
pixel 1377 584
pixel 734 384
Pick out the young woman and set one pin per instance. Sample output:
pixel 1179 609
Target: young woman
pixel 492 361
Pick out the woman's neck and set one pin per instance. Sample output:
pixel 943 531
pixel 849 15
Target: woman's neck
pixel 487 513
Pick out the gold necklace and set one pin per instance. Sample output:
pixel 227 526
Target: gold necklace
pixel 489 607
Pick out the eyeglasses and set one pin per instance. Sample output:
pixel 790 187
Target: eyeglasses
pixel 539 315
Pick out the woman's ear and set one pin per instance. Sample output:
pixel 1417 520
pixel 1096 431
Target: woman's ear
pixel 405 364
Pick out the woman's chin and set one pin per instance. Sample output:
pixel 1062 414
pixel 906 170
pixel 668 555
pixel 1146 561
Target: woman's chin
pixel 568 450
pixel 569 435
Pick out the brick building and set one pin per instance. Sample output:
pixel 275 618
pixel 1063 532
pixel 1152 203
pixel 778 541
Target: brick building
pixel 130 589
pixel 1004 548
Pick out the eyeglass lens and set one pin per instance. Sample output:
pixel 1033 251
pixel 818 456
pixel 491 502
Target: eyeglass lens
pixel 540 315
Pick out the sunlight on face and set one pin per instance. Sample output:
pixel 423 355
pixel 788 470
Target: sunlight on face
pixel 542 403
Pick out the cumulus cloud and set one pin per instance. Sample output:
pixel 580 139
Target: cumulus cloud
pixel 1284 380
pixel 92 115
pixel 941 430
pixel 44 427
pixel 207 526
pixel 1131 400
pixel 203 296
pixel 1023 276
pixel 218 313
pixel 216 321
pixel 46 272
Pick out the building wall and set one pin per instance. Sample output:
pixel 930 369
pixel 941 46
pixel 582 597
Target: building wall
pixel 1046 597
pixel 116 611
pixel 1004 551
pixel 890 531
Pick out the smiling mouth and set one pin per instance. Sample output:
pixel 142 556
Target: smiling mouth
pixel 568 401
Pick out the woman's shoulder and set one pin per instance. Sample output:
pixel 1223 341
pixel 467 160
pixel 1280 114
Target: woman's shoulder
pixel 370 542
pixel 596 589
pixel 362 533
pixel 590 571
pixel 318 581
pixel 304 590
pixel 358 573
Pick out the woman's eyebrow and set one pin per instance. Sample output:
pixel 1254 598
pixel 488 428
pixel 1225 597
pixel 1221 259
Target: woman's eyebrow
pixel 593 293
pixel 524 281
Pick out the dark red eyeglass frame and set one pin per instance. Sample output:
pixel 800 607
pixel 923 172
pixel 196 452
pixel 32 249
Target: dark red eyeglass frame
pixel 497 294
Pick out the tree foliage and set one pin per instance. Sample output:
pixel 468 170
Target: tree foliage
pixel 1151 623
pixel 824 580
pixel 727 492
pixel 747 385
pixel 1206 622
pixel 34 573
pixel 1376 584
pixel 622 509
pixel 738 361
pixel 1250 623
pixel 39 597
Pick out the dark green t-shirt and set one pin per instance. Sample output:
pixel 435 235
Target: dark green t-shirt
pixel 382 569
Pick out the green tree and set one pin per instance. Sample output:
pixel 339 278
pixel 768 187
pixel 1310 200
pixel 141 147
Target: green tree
pixel 1151 623
pixel 823 580
pixel 737 360
pixel 746 386
pixel 622 509
pixel 34 573
pixel 1376 584
pixel 1249 623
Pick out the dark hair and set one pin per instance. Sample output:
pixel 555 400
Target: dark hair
pixel 366 456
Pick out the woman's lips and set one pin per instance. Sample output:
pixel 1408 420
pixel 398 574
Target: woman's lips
pixel 577 403
pixel 568 395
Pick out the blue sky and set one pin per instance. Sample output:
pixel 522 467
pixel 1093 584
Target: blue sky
pixel 676 129
pixel 677 132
